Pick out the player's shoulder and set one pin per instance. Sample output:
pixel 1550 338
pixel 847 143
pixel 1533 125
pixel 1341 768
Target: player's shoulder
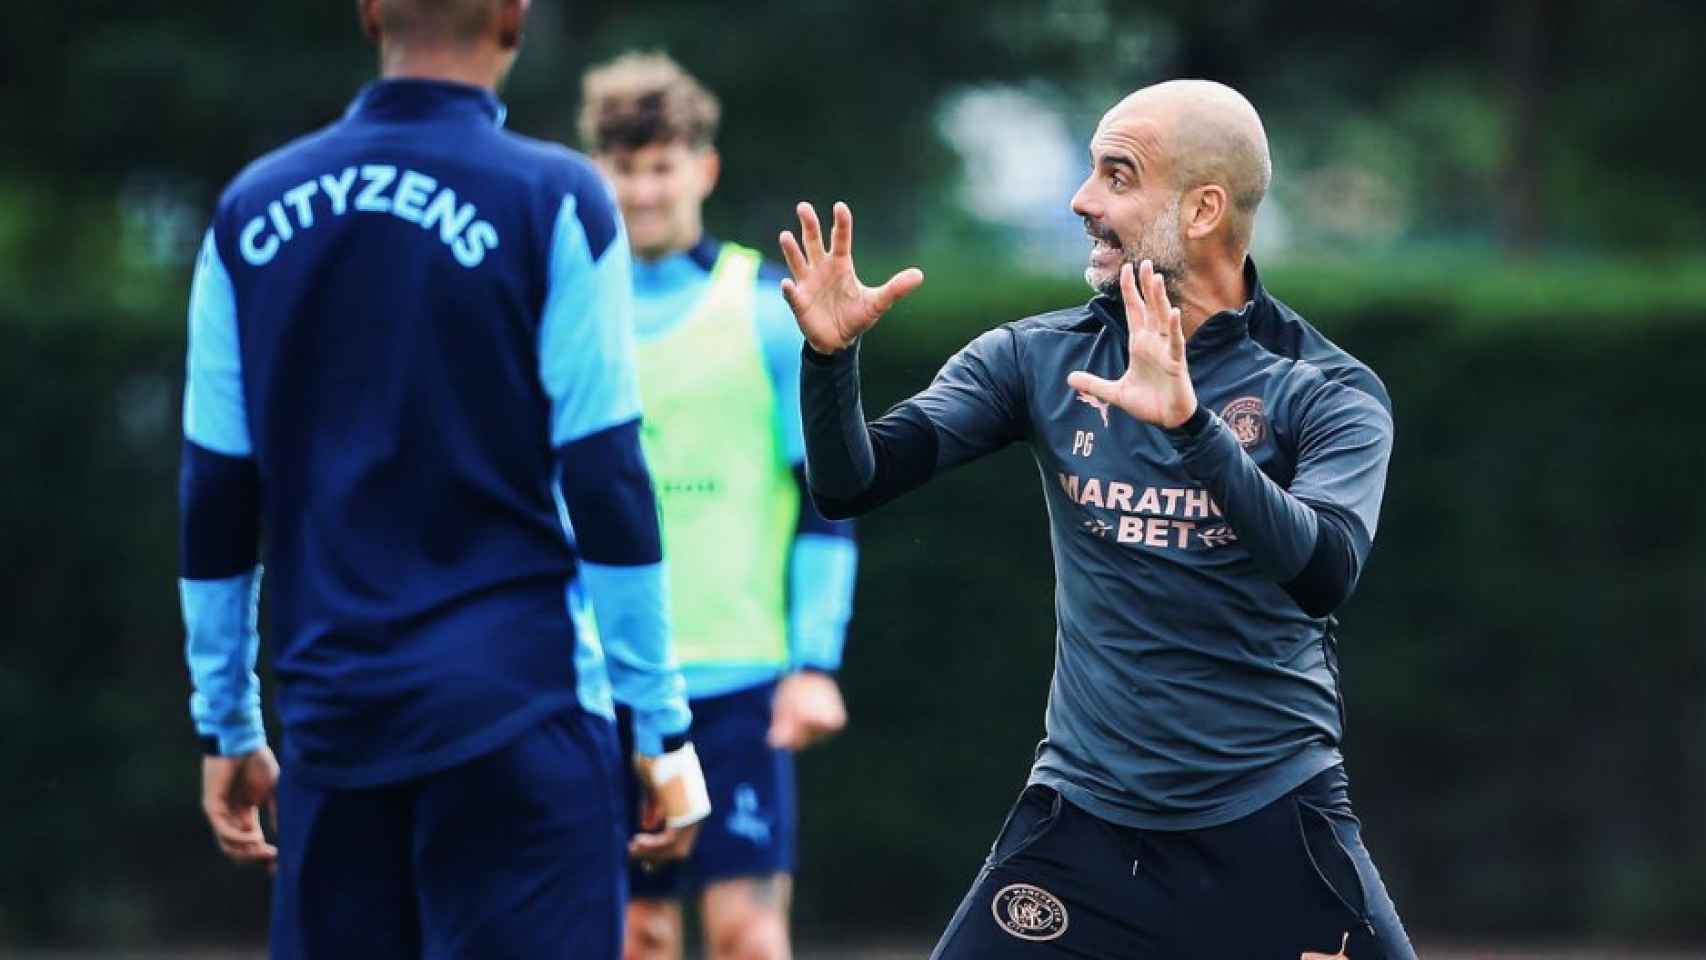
pixel 776 324
pixel 1044 335
pixel 287 164
pixel 566 180
pixel 548 160
pixel 1298 392
pixel 1283 332
pixel 1070 320
pixel 555 169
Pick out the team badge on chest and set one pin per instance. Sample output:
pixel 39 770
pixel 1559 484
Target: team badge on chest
pixel 1248 421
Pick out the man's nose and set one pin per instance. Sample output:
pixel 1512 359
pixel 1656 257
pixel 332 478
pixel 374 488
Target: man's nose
pixel 644 190
pixel 1084 201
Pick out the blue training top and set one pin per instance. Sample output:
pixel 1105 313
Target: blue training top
pixel 411 365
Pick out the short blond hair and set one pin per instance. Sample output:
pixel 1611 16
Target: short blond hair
pixel 639 99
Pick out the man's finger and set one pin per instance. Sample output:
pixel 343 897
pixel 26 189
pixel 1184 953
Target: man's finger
pixel 811 232
pixel 236 831
pixel 792 255
pixel 1106 391
pixel 784 731
pixel 1136 318
pixel 661 847
pixel 252 853
pixel 783 727
pixel 1154 307
pixel 243 844
pixel 898 286
pixel 1156 296
pixel 791 293
pixel 841 234
pixel 816 730
pixel 1178 323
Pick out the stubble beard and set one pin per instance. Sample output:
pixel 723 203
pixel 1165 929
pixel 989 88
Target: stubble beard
pixel 1160 245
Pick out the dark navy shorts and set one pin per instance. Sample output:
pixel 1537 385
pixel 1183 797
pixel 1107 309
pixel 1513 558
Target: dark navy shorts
pixel 1290 881
pixel 517 854
pixel 751 830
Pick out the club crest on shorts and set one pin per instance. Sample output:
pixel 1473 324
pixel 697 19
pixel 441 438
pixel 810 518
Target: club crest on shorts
pixel 1249 424
pixel 1029 913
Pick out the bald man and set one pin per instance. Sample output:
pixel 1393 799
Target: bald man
pixel 1213 470
pixel 410 353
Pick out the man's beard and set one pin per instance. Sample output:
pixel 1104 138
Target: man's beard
pixel 1159 244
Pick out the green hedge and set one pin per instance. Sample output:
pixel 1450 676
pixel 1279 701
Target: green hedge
pixel 1525 662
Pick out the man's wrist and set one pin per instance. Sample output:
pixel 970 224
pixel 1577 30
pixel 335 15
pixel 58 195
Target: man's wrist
pixel 816 357
pixel 677 781
pixel 232 743
pixel 1193 426
pixel 651 742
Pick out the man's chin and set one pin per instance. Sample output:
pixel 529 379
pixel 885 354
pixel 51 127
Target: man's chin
pixel 650 248
pixel 1102 281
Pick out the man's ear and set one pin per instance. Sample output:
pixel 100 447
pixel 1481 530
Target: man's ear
pixel 1204 210
pixel 367 11
pixel 512 17
pixel 710 170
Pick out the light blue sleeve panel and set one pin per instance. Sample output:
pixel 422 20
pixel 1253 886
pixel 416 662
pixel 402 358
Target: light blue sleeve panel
pixel 632 603
pixel 782 340
pixel 586 335
pixel 215 415
pixel 821 574
pixel 221 643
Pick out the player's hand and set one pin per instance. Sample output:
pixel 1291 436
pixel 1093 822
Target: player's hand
pixel 673 802
pixel 830 304
pixel 1156 387
pixel 807 708
pixel 233 791
pixel 656 844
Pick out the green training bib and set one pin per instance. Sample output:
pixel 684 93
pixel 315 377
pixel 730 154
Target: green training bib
pixel 727 495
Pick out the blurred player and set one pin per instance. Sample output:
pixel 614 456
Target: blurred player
pixel 760 585
pixel 410 365
pixel 1212 502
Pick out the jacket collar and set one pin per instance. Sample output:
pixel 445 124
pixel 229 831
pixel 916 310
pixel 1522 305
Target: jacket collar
pixel 1217 332
pixel 411 98
pixel 677 270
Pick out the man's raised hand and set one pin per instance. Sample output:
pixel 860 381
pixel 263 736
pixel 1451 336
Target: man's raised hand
pixel 1156 387
pixel 830 304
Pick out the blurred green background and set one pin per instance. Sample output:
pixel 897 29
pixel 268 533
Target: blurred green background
pixel 1498 206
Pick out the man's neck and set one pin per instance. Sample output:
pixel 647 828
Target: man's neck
pixel 1211 288
pixel 654 256
pixel 474 68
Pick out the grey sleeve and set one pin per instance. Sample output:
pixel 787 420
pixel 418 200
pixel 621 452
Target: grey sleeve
pixel 1313 538
pixel 973 407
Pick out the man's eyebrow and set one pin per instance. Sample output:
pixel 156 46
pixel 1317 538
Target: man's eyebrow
pixel 1118 160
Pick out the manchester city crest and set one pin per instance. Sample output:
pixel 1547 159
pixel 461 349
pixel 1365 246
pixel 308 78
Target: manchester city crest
pixel 1028 912
pixel 1247 421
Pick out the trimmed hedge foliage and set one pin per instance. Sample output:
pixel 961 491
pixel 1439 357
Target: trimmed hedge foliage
pixel 1524 663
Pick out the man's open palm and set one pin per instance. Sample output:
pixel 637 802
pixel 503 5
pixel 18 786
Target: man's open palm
pixel 1156 387
pixel 830 304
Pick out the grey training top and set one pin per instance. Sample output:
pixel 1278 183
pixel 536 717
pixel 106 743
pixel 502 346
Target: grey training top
pixel 1196 569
